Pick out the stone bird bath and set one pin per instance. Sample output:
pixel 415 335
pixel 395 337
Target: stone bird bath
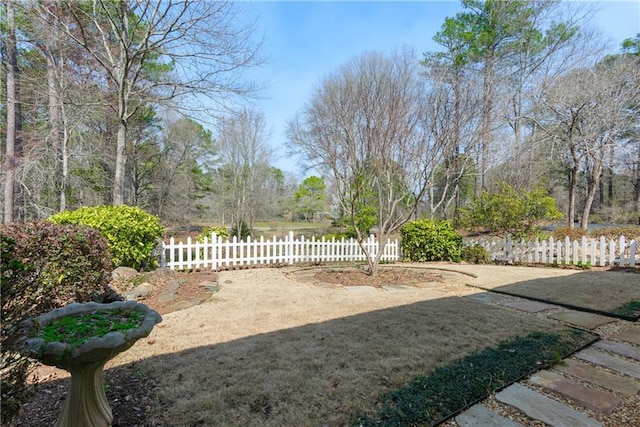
pixel 84 348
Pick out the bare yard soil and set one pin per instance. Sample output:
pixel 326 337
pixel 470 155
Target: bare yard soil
pixel 288 346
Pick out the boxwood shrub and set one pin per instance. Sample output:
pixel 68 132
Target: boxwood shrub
pixel 475 254
pixel 430 240
pixel 132 233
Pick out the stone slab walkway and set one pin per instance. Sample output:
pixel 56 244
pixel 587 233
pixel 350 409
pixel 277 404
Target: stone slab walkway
pixel 596 378
pixel 543 408
pixel 487 297
pixel 582 319
pixel 631 335
pixel 481 416
pixel 626 350
pixel 608 361
pixel 528 306
pixel 591 398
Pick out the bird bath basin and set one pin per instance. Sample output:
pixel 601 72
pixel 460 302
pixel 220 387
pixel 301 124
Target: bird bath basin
pixel 81 338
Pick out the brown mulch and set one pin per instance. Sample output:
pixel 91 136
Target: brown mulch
pixel 384 277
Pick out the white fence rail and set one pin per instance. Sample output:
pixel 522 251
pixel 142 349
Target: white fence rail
pixel 214 253
pixel 585 252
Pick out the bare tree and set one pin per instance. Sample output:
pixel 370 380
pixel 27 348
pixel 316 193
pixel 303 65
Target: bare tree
pixel 161 52
pixel 587 113
pixel 452 121
pixel 364 130
pixel 245 156
pixel 14 123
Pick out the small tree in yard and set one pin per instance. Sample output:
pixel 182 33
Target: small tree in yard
pixel 365 131
pixel 510 211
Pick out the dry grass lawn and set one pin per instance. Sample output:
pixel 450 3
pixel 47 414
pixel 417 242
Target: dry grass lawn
pixel 271 350
pixel 603 291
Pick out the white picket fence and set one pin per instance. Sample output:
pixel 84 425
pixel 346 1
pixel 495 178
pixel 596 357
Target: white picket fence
pixel 585 252
pixel 214 253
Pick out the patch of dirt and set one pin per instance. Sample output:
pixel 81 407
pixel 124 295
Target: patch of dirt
pixel 187 288
pixel 384 277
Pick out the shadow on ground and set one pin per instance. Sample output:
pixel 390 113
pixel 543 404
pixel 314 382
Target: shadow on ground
pixel 614 293
pixel 325 373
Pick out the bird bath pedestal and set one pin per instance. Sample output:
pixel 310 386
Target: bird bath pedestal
pixel 84 358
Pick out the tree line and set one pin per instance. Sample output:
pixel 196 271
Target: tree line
pixel 106 102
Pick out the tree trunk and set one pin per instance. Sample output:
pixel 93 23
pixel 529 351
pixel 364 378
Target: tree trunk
pixel 593 185
pixel 121 158
pixel 13 146
pixel 123 113
pixel 487 108
pixel 636 186
pixel 573 184
pixel 55 126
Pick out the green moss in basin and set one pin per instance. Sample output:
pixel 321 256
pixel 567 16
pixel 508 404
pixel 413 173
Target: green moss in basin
pixel 76 329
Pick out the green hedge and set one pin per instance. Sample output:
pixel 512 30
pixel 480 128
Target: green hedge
pixel 132 233
pixel 430 240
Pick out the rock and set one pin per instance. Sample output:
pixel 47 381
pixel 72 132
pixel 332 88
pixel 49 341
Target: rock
pixel 160 273
pixel 175 284
pixel 143 290
pixel 209 286
pixel 123 273
pixel 167 296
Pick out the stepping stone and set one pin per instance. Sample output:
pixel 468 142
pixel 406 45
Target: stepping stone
pixel 486 297
pixel 584 320
pixel 611 362
pixel 167 296
pixel 626 350
pixel 182 305
pixel 141 291
pixel 529 306
pixel 600 377
pixel 481 416
pixel 630 335
pixel 589 397
pixel 175 284
pixel 543 408
pixel 209 286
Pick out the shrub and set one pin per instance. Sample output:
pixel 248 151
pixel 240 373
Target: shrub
pixel 44 266
pixel 338 236
pixel 630 233
pixel 572 233
pixel 242 232
pixel 132 233
pixel 510 211
pixel 475 254
pixel 206 232
pixel 430 240
pixel 596 219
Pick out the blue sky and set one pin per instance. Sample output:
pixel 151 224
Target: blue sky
pixel 307 40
